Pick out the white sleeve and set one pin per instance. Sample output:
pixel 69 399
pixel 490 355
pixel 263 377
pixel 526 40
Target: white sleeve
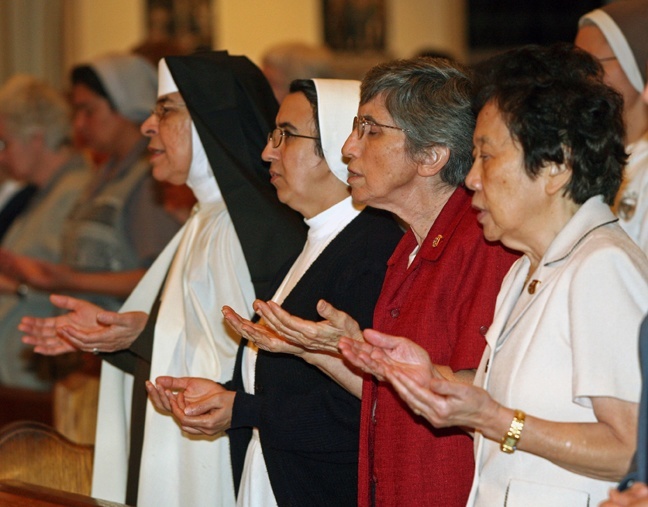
pixel 608 300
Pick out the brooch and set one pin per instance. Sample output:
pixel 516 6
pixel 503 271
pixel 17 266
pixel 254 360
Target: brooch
pixel 533 286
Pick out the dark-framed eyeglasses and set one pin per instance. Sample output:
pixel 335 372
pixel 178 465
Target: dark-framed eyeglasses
pixel 276 136
pixel 360 125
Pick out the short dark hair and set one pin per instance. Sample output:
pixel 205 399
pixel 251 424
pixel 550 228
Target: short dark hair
pixel 556 106
pixel 431 99
pixel 85 75
pixel 307 87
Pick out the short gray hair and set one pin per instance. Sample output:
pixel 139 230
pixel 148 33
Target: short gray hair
pixel 431 99
pixel 28 106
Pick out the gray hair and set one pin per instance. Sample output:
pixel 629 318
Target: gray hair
pixel 431 99
pixel 29 106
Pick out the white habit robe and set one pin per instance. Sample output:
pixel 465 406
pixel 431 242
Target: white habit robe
pixel 207 270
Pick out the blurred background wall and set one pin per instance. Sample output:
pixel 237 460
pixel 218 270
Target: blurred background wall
pixel 47 37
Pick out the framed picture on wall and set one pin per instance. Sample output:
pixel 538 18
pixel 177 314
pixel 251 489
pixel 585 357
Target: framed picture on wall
pixel 354 25
pixel 183 25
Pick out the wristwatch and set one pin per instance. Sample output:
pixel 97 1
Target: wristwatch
pixel 22 290
pixel 510 440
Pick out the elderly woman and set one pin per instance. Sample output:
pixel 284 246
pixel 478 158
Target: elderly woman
pixel 117 227
pixel 36 142
pixel 554 404
pixel 304 445
pixel 208 129
pixel 615 35
pixel 409 152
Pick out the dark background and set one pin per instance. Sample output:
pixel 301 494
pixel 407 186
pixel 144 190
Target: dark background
pixel 496 24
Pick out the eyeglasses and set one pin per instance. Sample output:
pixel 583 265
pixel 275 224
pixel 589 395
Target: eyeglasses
pixel 360 125
pixel 163 108
pixel 276 136
pixel 606 59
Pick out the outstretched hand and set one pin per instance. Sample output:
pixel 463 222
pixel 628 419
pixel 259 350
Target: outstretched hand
pixel 443 403
pixel 417 381
pixel 380 352
pixel 318 336
pixel 259 334
pixel 201 406
pixel 85 327
pixel 42 332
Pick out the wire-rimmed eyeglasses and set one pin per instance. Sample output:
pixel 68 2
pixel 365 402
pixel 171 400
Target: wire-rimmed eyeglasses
pixel 161 109
pixel 276 136
pixel 360 125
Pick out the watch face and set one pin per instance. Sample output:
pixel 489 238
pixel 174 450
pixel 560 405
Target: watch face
pixel 508 444
pixel 22 290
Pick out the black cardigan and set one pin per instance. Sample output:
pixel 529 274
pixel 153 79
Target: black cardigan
pixel 307 423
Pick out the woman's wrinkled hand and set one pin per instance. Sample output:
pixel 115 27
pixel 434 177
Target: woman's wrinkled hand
pixel 316 336
pixel 379 351
pixel 200 406
pixel 259 334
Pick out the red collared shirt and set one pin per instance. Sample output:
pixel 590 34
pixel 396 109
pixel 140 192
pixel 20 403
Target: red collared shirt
pixel 444 301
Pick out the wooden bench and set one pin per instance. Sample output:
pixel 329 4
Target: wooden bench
pixel 35 453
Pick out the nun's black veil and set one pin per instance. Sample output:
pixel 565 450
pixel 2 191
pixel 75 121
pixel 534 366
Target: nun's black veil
pixel 233 109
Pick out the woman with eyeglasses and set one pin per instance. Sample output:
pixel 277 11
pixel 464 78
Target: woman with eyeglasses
pixel 208 129
pixel 409 153
pixel 555 401
pixel 293 429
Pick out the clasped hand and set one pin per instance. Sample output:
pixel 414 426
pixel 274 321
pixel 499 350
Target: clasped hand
pixel 200 406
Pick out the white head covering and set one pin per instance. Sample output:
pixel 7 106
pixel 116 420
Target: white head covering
pixel 625 27
pixel 201 179
pixel 130 82
pixel 337 105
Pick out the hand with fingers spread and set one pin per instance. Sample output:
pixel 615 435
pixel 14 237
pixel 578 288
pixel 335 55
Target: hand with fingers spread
pixel 322 336
pixel 85 327
pixel 201 406
pixel 260 334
